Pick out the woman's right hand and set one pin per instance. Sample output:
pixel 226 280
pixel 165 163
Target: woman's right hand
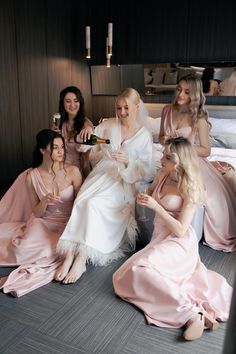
pixel 41 207
pixel 85 133
pixel 163 139
pixel 50 198
pixel 56 129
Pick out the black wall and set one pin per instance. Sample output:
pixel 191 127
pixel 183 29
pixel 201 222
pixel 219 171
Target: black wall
pixel 165 31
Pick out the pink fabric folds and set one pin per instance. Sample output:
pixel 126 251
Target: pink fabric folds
pixel 32 244
pixel 220 206
pixel 167 279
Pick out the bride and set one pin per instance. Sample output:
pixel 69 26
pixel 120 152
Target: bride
pixel 102 225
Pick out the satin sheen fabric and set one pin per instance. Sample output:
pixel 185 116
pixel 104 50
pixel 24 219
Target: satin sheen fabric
pixel 167 279
pixel 32 244
pixel 104 208
pixel 220 205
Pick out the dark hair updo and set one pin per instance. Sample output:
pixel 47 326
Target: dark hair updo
pixel 43 139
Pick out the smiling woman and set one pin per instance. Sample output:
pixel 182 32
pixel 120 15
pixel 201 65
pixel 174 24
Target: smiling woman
pixel 74 120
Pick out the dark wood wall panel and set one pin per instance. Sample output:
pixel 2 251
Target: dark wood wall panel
pixel 103 107
pixel 10 127
pixel 59 51
pixel 41 53
pixel 32 71
pixel 81 78
pixel 211 34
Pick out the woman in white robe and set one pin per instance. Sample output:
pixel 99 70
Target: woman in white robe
pixel 102 224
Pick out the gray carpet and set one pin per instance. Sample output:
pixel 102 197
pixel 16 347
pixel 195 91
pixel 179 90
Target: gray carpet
pixel 87 317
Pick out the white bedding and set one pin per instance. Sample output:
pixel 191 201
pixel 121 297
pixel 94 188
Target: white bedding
pixel 227 155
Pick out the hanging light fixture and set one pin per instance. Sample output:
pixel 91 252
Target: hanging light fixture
pixel 108 56
pixel 110 35
pixel 88 42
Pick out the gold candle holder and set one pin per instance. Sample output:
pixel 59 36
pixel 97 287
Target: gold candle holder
pixel 110 50
pixel 88 53
pixel 108 62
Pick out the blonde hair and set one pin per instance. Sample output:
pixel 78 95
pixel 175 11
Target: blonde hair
pixel 130 94
pixel 197 98
pixel 183 154
pixel 132 98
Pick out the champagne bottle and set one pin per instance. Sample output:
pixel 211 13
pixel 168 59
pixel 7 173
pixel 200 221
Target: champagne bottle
pixel 94 139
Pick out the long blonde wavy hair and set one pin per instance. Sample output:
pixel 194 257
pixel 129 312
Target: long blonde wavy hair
pixel 186 161
pixel 197 99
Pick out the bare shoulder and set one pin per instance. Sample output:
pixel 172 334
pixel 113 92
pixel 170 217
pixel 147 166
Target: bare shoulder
pixel 72 170
pixel 167 107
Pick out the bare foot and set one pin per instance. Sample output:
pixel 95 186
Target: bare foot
pixel 64 268
pixel 77 269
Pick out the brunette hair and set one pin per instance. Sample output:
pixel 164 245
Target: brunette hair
pixel 43 139
pixel 79 119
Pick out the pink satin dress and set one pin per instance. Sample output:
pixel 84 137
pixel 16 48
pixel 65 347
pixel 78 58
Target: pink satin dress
pixel 220 205
pixel 15 204
pixel 167 279
pixel 32 244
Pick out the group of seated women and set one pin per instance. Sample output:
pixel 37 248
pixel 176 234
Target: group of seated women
pixel 70 214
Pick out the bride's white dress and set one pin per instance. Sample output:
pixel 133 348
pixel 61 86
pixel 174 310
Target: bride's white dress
pixel 102 223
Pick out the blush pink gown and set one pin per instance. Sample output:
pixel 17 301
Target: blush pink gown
pixel 32 244
pixel 220 205
pixel 15 204
pixel 167 279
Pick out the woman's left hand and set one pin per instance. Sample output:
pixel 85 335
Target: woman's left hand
pixel 147 201
pixel 120 156
pixel 85 133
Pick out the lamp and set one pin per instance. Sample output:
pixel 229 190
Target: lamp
pixel 108 56
pixel 110 30
pixel 88 42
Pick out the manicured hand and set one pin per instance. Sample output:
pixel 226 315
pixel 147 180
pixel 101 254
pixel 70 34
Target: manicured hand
pixel 85 133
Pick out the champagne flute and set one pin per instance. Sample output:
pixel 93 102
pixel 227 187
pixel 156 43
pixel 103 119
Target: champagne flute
pixel 56 121
pixel 56 193
pixel 143 188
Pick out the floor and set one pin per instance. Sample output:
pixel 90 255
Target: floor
pixel 87 317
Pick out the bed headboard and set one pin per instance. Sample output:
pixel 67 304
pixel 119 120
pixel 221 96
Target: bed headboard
pixel 215 111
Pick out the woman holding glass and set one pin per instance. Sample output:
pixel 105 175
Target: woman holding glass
pixel 167 279
pixel 52 186
pixel 73 120
pixel 188 117
pixel 15 206
pixel 102 224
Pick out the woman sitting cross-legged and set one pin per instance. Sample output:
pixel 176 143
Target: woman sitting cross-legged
pixel 167 279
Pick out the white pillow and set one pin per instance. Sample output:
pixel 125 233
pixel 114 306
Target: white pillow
pixel 220 126
pixel 148 79
pixel 158 77
pixel 153 125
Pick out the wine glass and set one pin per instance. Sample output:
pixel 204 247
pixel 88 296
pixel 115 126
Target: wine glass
pixel 56 121
pixel 56 193
pixel 143 188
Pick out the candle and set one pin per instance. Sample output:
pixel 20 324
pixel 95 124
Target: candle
pixel 87 40
pixel 87 36
pixel 110 27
